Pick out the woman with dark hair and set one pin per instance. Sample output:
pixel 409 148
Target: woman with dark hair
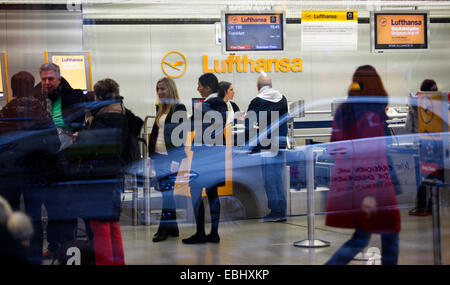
pixel 362 195
pixel 208 86
pixel 161 148
pixel 226 92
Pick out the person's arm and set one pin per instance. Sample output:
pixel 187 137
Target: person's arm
pixel 249 119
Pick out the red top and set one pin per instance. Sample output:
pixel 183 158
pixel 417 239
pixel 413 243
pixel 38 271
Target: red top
pixel 361 169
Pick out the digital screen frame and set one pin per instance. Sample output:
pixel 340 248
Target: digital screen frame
pixel 226 24
pixel 4 84
pixel 406 31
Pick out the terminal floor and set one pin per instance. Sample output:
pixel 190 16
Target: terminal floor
pixel 268 243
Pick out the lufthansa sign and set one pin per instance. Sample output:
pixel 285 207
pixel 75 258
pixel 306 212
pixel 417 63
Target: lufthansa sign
pixel 174 64
pixel 244 64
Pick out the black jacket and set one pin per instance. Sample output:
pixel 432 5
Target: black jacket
pixel 168 129
pixel 235 107
pixel 260 105
pixel 72 111
pixel 132 151
pixel 205 156
pixel 103 161
pixel 198 121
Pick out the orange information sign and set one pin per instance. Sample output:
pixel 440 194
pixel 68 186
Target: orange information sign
pixel 75 67
pixel 400 31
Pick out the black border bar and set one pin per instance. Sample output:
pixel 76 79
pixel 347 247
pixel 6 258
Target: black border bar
pixel 44 7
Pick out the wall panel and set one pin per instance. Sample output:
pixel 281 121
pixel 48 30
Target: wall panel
pixel 30 33
pixel 122 53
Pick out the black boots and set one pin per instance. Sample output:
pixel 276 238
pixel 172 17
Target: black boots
pixel 202 238
pixel 167 226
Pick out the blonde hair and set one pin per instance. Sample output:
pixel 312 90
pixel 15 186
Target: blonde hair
pixel 167 105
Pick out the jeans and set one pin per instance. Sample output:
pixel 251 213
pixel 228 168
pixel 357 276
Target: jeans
pixel 272 172
pixel 61 221
pixel 163 163
pixel 33 199
pixel 199 209
pixel 359 240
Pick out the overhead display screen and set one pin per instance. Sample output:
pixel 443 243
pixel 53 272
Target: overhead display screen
pixel 400 31
pixel 254 32
pixel 75 68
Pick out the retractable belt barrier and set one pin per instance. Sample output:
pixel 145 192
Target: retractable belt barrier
pixel 436 208
pixel 311 241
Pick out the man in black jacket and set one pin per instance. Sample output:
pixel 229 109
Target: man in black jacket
pixel 65 101
pixel 268 107
pixel 64 104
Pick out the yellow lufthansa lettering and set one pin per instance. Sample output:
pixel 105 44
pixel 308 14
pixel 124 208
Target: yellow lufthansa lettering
pixel 275 63
pixel 245 64
pixel 285 64
pixel 205 65
pixel 261 64
pixel 297 65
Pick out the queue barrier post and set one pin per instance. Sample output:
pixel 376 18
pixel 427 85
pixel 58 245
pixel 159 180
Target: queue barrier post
pixel 147 173
pixel 437 251
pixel 311 241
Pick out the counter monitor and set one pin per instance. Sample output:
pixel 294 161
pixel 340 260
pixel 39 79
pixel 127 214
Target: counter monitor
pixel 399 31
pixel 254 32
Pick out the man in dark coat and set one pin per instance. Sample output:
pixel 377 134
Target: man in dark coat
pixel 64 104
pixel 64 100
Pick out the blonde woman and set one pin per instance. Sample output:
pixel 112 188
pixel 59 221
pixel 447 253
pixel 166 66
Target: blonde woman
pixel 163 154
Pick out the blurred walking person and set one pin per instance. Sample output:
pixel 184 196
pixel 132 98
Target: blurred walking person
pixel 362 195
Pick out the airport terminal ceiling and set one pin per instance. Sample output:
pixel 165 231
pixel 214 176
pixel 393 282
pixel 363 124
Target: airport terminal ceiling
pixel 179 9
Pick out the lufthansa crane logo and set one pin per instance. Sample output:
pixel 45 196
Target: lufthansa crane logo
pixel 234 20
pixel 426 109
pixel 383 22
pixel 174 64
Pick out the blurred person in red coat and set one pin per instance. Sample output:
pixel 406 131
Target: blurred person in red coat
pixel 362 195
